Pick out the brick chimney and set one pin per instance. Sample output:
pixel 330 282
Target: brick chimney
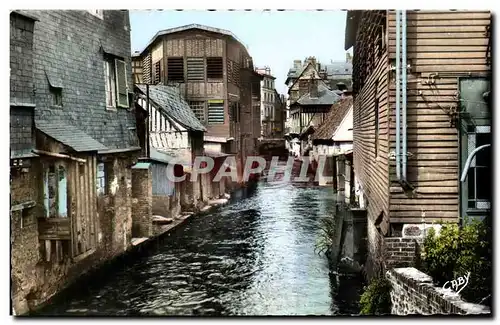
pixel 313 88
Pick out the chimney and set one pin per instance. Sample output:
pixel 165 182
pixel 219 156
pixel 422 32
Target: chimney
pixel 297 64
pixel 348 57
pixel 313 88
pixel 312 59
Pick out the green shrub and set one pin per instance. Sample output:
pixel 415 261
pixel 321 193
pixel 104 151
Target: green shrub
pixel 457 251
pixel 326 236
pixel 376 298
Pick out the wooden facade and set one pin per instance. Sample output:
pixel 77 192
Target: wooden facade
pixel 207 66
pixel 444 48
pixel 69 226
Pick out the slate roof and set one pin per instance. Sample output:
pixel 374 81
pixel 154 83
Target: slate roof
pixel 169 100
pixel 70 136
pixel 325 97
pixel 333 119
pixel 334 70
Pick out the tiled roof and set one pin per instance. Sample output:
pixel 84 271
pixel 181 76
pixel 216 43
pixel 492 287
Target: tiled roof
pixel 325 97
pixel 70 136
pixel 169 100
pixel 333 119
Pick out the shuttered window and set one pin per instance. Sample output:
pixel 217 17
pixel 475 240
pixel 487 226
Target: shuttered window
pixel 214 68
pixel 175 69
pixel 198 107
pixel 157 72
pixel 121 83
pixel 234 111
pixel 195 69
pixel 215 112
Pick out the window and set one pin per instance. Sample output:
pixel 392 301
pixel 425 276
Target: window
pixel 56 96
pixel 198 107
pixel 475 129
pixel 479 175
pixel 195 69
pixel 158 72
pixel 101 179
pixel 215 112
pixel 234 108
pixel 55 191
pixel 214 68
pixel 116 83
pixel 175 69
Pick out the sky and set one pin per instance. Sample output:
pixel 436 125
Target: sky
pixel 273 38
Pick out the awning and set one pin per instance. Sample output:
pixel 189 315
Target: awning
pixel 70 136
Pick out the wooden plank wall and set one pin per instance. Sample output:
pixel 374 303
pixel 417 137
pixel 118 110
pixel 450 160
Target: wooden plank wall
pixel 450 43
pixel 83 203
pixel 373 170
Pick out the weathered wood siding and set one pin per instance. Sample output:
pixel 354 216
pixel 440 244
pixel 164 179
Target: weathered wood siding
pixel 450 44
pixel 370 166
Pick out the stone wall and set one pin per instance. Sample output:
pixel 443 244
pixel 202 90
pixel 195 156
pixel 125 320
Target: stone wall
pixel 35 280
pixel 413 292
pixel 142 203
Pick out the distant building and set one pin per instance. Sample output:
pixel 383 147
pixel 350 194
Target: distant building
pixel 330 80
pixel 271 110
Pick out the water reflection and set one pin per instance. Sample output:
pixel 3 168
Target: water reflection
pixel 253 257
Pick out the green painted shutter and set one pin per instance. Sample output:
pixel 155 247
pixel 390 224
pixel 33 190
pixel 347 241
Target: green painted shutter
pixel 121 84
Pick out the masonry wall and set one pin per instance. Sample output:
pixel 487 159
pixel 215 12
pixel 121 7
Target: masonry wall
pixel 414 293
pixel 35 280
pixel 142 203
pixel 25 253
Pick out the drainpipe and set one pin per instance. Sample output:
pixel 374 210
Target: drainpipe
pixel 404 68
pixel 398 95
pixel 469 160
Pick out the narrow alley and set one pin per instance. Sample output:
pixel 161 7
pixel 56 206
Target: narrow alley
pixel 254 256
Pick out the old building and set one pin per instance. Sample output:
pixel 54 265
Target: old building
pixel 216 76
pixel 169 133
pixel 332 137
pixel 70 204
pixel 335 74
pixel 267 102
pixel 309 110
pixel 419 81
pixel 279 115
pixel 137 68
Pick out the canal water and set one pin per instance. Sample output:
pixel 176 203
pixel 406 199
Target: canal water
pixel 254 256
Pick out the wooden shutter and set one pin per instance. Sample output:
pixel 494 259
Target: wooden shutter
pixel 195 69
pixel 214 68
pixel 215 112
pixel 121 83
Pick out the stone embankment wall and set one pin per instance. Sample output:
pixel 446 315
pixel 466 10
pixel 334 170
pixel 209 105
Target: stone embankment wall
pixel 413 292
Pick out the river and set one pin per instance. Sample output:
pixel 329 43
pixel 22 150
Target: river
pixel 254 256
